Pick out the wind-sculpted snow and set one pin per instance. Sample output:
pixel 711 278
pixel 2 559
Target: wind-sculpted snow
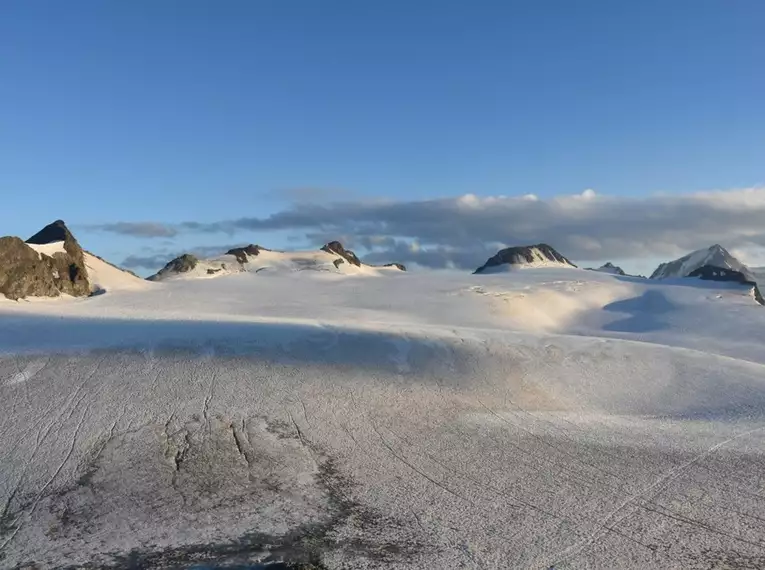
pixel 433 431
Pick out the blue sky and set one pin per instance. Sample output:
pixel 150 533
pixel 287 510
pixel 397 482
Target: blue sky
pixel 177 111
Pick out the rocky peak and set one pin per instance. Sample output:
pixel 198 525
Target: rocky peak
pixel 242 253
pixel 337 248
pixel 540 255
pixel 714 255
pixel 181 264
pixel 56 231
pixel 33 269
pixel 609 267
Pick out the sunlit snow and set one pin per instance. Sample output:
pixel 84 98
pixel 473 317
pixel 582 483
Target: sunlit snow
pixel 546 418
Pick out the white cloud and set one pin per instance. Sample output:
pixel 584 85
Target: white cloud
pixel 588 194
pixel 465 230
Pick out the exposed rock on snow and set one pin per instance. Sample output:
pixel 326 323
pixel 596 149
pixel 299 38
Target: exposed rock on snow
pixel 333 258
pixel 347 254
pixel 608 267
pixel 540 255
pixel 715 256
pixel 712 273
pixel 50 263
pixel 181 264
pixel 243 254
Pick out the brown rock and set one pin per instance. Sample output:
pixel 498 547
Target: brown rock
pixel 23 272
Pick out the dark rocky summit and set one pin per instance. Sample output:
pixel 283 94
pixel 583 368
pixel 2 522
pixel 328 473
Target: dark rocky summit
pixel 346 255
pixel 26 273
pixel 540 254
pixel 713 273
pixel 337 248
pixel 608 267
pixel 242 253
pixel 181 264
pixel 57 231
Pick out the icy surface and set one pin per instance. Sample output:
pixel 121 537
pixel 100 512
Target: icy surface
pixel 547 418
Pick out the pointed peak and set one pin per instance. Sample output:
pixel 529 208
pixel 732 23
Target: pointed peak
pixel 53 232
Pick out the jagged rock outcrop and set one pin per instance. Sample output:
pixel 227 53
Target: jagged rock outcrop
pixel 69 271
pixel 242 253
pixel 540 255
pixel 400 266
pixel 181 264
pixel 337 248
pixel 608 267
pixel 714 273
pixel 23 272
pixel 31 269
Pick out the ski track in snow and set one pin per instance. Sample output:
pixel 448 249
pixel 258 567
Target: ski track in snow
pixel 547 418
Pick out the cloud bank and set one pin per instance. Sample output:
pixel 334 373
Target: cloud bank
pixel 461 232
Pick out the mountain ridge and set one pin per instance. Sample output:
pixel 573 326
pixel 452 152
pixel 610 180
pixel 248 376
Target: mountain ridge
pixel 539 255
pixel 714 255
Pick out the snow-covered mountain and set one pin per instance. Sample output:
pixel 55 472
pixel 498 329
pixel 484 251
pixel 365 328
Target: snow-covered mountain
pixel 714 256
pixel 526 256
pixel 52 263
pixel 332 258
pixel 608 267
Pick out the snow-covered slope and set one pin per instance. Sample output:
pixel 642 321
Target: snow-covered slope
pixel 524 257
pixel 715 255
pixel 265 260
pixel 105 277
pixel 550 418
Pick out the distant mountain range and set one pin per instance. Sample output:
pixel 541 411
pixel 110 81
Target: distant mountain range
pixel 52 263
pixel 608 267
pixel 332 257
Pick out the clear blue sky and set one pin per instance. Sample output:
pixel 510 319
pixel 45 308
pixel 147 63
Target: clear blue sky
pixel 176 110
